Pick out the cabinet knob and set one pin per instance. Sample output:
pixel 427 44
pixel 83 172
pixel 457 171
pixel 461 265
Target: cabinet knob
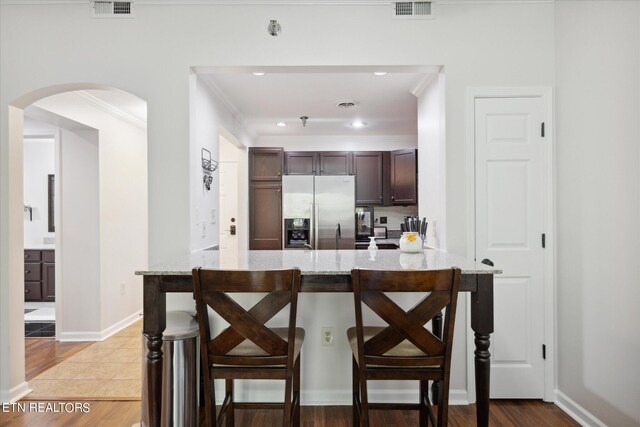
pixel 27 256
pixel 393 198
pixel 26 291
pixel 279 174
pixel 27 271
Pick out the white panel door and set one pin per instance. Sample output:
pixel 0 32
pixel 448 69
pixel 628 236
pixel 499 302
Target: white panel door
pixel 228 212
pixel 510 207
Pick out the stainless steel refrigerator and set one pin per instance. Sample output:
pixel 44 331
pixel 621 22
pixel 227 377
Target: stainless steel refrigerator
pixel 327 202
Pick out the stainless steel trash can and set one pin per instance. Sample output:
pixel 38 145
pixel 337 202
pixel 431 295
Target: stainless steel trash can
pixel 179 372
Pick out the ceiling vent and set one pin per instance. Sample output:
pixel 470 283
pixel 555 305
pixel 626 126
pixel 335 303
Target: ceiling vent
pixel 412 10
pixel 112 9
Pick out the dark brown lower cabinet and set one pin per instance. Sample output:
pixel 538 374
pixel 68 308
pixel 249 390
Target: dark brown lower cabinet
pixel 39 275
pixel 265 207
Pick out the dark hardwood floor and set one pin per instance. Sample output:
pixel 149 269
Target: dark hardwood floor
pixel 43 353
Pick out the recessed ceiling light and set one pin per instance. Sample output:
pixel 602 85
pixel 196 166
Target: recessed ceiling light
pixel 258 73
pixel 380 73
pixel 358 124
pixel 281 124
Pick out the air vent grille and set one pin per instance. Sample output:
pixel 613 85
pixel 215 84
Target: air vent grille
pixel 111 9
pixel 412 10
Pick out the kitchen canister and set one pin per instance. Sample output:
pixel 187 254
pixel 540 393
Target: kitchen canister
pixel 410 242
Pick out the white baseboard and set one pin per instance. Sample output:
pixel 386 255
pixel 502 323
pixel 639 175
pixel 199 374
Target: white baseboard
pixel 101 335
pixel 15 393
pixel 577 412
pixel 339 397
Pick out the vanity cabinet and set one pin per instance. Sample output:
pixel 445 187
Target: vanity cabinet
pixel 39 275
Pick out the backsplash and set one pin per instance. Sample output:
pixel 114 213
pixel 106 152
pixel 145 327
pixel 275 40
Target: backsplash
pixel 395 215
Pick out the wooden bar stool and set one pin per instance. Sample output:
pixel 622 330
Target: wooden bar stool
pixel 248 349
pixel 404 350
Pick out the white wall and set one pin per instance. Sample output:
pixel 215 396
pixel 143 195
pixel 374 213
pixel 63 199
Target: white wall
pixel 122 195
pixel 78 245
pixel 39 162
pixel 598 207
pixel 490 44
pixel 432 203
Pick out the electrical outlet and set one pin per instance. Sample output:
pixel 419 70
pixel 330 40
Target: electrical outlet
pixel 326 334
pixel 204 229
pixel 122 288
pixel 213 216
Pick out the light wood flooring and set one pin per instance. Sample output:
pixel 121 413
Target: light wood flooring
pixel 125 414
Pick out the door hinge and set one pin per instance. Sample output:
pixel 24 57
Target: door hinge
pixel 544 351
pixel 544 240
pixel 542 129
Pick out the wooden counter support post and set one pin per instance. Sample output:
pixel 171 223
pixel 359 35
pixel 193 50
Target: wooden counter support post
pixel 482 325
pixel 154 323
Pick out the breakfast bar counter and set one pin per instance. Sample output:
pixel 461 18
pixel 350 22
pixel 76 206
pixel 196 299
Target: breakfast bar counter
pixel 322 271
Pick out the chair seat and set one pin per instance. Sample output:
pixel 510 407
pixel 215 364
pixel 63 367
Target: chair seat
pixel 404 349
pixel 248 348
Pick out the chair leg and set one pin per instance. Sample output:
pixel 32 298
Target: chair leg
pixel 355 381
pixel 286 417
pixel 424 416
pixel 296 393
pixel 209 398
pixel 443 404
pixel 364 397
pixel 230 412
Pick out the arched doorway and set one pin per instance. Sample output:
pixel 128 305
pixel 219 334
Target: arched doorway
pixel 120 159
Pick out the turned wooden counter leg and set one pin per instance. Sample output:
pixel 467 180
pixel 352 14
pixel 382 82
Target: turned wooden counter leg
pixel 482 325
pixel 154 322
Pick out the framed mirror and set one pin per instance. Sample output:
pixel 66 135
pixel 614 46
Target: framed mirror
pixel 51 203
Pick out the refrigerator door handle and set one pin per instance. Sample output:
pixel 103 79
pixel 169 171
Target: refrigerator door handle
pixel 338 236
pixel 316 244
pixel 312 225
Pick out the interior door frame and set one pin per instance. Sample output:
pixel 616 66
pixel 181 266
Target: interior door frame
pixel 550 273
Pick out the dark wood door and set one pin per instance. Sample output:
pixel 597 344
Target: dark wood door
pixel 265 164
pixel 367 166
pixel 336 163
pixel 404 177
pixel 265 209
pixel 300 162
pixel 48 276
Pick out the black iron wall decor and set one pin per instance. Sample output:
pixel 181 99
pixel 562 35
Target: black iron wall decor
pixel 208 167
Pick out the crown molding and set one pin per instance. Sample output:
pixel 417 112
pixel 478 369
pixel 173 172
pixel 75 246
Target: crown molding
pixel 271 2
pixel 110 109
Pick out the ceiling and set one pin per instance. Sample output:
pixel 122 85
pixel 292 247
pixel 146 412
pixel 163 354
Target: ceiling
pixel 386 104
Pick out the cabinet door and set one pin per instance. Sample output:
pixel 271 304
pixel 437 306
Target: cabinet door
pixel 336 163
pixel 48 275
pixel 367 166
pixel 265 164
pixel 48 281
pixel 404 177
pixel 33 291
pixel 265 216
pixel 300 162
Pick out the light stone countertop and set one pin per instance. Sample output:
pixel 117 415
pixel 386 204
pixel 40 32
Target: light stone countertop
pixel 318 262
pixel 40 247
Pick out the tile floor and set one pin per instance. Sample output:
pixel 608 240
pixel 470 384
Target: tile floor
pixel 106 370
pixel 39 319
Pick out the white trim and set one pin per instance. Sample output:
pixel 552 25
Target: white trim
pixel 105 107
pixel 549 254
pixel 422 84
pixel 16 393
pixel 575 411
pixel 274 2
pixel 102 335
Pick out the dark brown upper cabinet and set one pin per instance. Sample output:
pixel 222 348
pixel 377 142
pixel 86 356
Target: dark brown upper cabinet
pixel 404 177
pixel 368 168
pixel 300 162
pixel 336 163
pixel 265 164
